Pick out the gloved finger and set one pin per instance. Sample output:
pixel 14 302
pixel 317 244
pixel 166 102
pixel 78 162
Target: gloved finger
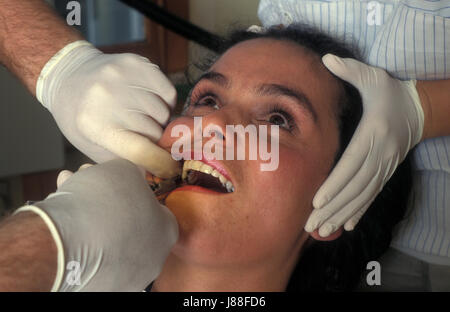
pixel 353 221
pixel 350 224
pixel 99 153
pixel 143 152
pixel 338 219
pixel 140 72
pixel 139 122
pixel 348 69
pixel 354 196
pixel 62 177
pixel 166 90
pixel 349 165
pixel 335 221
pixel 84 166
pixel 150 103
pixel 316 219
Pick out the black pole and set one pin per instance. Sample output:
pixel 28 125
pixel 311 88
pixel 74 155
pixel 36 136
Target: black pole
pixel 176 24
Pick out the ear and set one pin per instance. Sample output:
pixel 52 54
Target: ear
pixel 330 237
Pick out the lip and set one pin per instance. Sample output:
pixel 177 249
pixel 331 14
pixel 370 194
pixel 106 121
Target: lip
pixel 196 188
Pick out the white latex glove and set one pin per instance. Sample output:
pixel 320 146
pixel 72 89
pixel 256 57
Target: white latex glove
pixel 391 125
pixel 109 105
pixel 107 220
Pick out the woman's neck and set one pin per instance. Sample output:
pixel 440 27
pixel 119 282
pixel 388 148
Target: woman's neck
pixel 179 276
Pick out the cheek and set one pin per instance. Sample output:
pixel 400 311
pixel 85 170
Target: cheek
pixel 177 126
pixel 294 179
pixel 281 200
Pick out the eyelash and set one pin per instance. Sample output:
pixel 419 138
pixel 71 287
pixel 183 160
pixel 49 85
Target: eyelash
pixel 196 97
pixel 277 109
pixel 202 97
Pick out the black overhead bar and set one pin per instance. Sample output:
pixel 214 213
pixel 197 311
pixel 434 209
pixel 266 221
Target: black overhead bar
pixel 176 24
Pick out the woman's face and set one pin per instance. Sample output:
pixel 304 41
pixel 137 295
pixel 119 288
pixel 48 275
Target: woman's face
pixel 259 82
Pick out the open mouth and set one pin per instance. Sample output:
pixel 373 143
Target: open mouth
pixel 200 174
pixel 196 175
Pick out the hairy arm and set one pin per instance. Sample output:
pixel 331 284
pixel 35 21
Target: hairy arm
pixel 28 254
pixel 435 98
pixel 30 34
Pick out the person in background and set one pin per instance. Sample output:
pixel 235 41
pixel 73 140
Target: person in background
pixel 409 39
pixel 108 106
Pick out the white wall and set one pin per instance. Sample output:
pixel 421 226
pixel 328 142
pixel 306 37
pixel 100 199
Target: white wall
pixel 218 15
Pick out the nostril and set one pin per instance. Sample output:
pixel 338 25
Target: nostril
pixel 217 134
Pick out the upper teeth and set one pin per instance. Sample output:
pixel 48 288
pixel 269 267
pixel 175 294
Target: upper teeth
pixel 202 167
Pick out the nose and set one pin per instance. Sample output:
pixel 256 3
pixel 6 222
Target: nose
pixel 222 132
pixel 187 132
pixel 218 133
pixel 212 132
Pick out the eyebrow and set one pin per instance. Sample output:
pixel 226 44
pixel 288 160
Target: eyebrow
pixel 279 90
pixel 271 89
pixel 215 77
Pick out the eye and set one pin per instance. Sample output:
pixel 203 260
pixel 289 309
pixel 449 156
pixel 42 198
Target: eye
pixel 277 119
pixel 207 100
pixel 281 118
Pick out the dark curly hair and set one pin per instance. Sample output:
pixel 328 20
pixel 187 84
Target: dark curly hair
pixel 339 265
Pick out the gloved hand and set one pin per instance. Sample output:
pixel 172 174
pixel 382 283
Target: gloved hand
pixel 109 105
pixel 109 229
pixel 391 125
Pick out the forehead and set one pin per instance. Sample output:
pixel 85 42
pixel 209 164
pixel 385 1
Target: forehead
pixel 265 60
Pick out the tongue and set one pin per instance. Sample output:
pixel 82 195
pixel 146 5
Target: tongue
pixel 205 180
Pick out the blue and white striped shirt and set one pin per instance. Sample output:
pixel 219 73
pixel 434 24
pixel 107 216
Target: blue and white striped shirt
pixel 411 40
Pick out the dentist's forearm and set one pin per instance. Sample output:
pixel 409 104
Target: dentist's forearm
pixel 435 98
pixel 28 254
pixel 30 34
